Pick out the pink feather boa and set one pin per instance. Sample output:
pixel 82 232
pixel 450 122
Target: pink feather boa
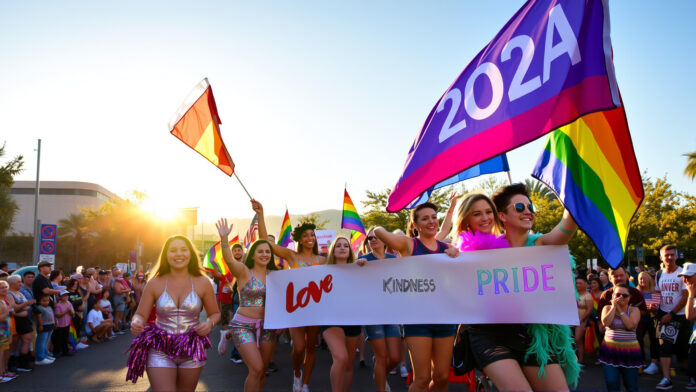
pixel 186 345
pixel 469 241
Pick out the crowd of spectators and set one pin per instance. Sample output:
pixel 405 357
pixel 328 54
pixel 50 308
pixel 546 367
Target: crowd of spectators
pixel 49 315
pixel 639 321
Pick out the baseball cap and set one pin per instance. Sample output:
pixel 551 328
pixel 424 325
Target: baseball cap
pixel 64 292
pixel 43 263
pixel 688 269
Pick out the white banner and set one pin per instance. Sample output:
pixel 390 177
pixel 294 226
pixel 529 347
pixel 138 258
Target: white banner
pixel 515 285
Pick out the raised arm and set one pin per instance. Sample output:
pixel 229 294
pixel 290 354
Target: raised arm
pixel 447 223
pixel 561 234
pixel 278 251
pixel 239 270
pixel 398 242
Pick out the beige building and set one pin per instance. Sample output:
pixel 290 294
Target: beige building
pixel 57 200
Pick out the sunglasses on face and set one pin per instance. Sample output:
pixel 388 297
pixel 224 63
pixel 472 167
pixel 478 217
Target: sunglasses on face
pixel 519 207
pixel 371 238
pixel 623 295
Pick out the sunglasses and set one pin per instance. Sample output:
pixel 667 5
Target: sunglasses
pixel 621 295
pixel 371 238
pixel 519 207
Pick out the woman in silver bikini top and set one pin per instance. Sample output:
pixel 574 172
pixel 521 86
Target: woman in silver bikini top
pixel 178 320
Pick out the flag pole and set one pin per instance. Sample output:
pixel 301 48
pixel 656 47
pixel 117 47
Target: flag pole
pixel 508 173
pixel 243 187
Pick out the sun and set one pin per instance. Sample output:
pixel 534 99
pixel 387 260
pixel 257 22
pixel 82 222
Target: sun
pixel 160 209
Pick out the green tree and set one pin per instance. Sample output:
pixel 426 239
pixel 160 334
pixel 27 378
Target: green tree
pixel 690 170
pixel 665 216
pixel 73 232
pixel 314 218
pixel 537 187
pixel 376 209
pixel 8 206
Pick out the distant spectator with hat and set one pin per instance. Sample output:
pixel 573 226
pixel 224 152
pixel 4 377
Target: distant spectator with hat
pixel 64 313
pixel 688 275
pixel 42 284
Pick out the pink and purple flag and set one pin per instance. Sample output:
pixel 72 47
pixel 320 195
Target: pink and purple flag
pixel 549 65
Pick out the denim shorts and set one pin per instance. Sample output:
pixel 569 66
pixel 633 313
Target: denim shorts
pixel 382 331
pixel 430 330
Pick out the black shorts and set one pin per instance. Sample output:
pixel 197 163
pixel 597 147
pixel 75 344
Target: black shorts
pixel 350 331
pixel 23 325
pixel 494 342
pixel 681 347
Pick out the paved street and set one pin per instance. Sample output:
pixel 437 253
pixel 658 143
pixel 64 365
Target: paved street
pixel 102 368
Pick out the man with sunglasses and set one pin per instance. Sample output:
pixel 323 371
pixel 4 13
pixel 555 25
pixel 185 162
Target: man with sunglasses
pixel 671 314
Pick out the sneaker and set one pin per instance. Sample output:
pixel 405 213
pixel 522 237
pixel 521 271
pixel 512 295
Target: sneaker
pixel 6 378
pixel 44 361
pixel 272 367
pixel 305 388
pixel 403 372
pixel 664 384
pixel 236 358
pixel 121 332
pixel 651 369
pixel 692 384
pixel 81 345
pixel 222 346
pixel 51 357
pixel 24 369
pixel 296 382
pixel 393 371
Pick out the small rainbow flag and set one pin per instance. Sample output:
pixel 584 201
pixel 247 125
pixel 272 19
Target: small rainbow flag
pixel 72 336
pixel 285 231
pixel 213 261
pixel 591 166
pixel 351 221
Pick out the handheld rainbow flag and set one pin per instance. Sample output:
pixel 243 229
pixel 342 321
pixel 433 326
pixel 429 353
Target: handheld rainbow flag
pixel 351 221
pixel 592 167
pixel 72 337
pixel 284 239
pixel 197 124
pixel 213 261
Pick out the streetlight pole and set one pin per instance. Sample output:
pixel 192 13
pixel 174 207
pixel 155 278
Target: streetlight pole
pixel 35 251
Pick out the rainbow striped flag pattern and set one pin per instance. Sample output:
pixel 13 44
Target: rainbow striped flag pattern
pixel 284 238
pixel 213 261
pixel 197 124
pixel 591 166
pixel 72 336
pixel 351 221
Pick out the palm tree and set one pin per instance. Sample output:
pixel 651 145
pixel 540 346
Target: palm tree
pixel 537 187
pixel 690 170
pixel 74 229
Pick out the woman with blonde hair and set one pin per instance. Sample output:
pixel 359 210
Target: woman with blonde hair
pixel 651 296
pixel 342 340
pixel 173 348
pixel 430 345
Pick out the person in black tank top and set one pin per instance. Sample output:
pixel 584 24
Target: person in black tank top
pixel 427 343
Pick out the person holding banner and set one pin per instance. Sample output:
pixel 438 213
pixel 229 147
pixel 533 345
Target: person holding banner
pixel 173 348
pixel 385 339
pixel 255 344
pixel 304 339
pixel 524 357
pixel 430 345
pixel 342 340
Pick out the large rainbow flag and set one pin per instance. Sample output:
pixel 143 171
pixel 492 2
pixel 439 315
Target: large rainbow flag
pixel 591 166
pixel 197 124
pixel 351 221
pixel 213 261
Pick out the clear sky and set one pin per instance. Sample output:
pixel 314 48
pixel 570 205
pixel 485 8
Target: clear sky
pixel 312 95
